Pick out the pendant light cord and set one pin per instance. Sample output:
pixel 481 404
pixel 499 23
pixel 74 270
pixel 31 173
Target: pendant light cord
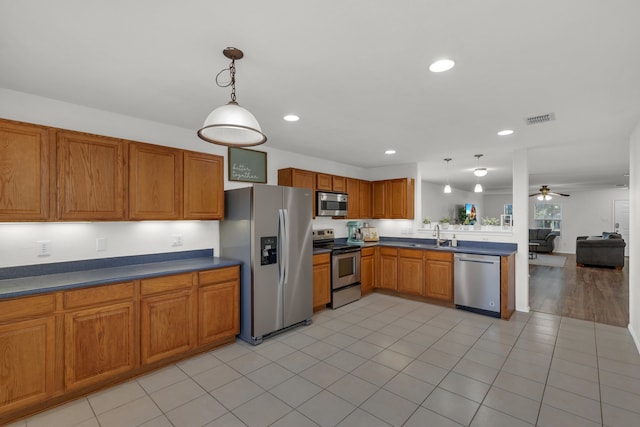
pixel 232 83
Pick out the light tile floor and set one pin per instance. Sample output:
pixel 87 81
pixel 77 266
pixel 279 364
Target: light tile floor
pixel 388 361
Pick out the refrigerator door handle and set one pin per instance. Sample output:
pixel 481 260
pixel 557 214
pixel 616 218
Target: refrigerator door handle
pixel 281 247
pixel 286 245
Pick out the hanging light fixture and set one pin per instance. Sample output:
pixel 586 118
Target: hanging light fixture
pixel 447 188
pixel 230 124
pixel 478 172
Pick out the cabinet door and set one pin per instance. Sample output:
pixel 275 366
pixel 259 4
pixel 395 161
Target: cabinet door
pixel 365 199
pixel 28 362
pixel 24 172
pixel 90 177
pixel 155 182
pixel 321 280
pixel 203 186
pixel 339 184
pixel 219 311
pixel 439 276
pixel 388 268
pixel 410 271
pixel 378 199
pixel 166 326
pixel 99 344
pixel 353 190
pixel 399 198
pixel 323 182
pixel 367 269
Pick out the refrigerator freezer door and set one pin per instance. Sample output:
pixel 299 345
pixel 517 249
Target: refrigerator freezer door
pixel 298 286
pixel 267 301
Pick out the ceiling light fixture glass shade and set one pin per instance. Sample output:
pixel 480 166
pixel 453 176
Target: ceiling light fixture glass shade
pixel 480 171
pixel 447 188
pixel 478 188
pixel 232 125
pixel 544 197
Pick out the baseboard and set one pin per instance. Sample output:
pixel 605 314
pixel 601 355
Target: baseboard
pixel 635 337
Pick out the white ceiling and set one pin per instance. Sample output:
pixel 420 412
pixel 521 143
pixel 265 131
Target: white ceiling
pixel 356 73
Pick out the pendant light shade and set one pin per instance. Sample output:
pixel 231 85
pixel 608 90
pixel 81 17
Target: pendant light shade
pixel 231 124
pixel 478 188
pixel 478 172
pixel 447 188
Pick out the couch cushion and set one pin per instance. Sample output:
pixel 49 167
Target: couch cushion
pixel 610 235
pixel 542 233
pixel 533 234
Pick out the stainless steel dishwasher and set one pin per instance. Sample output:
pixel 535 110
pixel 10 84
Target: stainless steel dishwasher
pixel 476 284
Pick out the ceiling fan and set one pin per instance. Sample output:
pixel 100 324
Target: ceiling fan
pixel 545 194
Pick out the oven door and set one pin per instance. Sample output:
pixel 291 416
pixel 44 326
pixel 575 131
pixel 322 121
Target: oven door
pixel 345 269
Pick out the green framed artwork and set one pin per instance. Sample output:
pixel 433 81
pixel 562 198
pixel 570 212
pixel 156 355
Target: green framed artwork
pixel 247 165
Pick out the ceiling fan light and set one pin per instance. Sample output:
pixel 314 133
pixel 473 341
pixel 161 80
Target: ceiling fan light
pixel 478 188
pixel 480 171
pixel 447 189
pixel 232 125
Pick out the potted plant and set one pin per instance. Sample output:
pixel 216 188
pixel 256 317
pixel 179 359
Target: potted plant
pixel 490 223
pixel 465 224
pixel 427 222
pixel 444 223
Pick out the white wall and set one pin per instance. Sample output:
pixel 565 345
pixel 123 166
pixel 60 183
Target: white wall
pixel 494 204
pixel 436 204
pixel 634 231
pixel 585 213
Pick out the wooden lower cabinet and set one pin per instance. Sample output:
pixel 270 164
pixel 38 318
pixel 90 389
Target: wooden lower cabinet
pixel 439 275
pixel 367 269
pixel 219 305
pixel 27 352
pixel 321 280
pixel 410 271
pixel 388 268
pixel 167 317
pixel 99 333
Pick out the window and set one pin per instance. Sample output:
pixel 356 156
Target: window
pixel 548 215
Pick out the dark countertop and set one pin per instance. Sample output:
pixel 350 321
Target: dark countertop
pixel 32 285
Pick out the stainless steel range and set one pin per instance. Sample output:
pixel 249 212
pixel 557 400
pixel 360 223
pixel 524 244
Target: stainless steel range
pixel 345 268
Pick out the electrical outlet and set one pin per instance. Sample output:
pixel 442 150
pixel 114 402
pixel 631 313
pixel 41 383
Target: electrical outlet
pixel 43 248
pixel 176 240
pixel 101 244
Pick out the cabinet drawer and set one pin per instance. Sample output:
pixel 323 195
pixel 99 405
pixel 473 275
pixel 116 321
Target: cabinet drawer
pixel 166 283
pixel 321 259
pixel 367 251
pixel 219 275
pixel 439 256
pixel 410 253
pixel 99 295
pixel 27 307
pixel 388 251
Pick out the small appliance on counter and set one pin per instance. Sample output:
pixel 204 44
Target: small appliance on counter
pixel 369 234
pixel 354 235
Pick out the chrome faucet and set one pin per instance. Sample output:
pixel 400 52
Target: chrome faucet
pixel 438 240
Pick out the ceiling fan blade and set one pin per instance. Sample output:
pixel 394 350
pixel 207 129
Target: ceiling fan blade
pixel 534 194
pixel 558 194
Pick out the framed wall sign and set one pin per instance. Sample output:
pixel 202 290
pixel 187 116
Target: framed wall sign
pixel 247 165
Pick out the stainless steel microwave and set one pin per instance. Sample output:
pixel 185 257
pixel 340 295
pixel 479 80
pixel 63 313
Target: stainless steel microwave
pixel 331 204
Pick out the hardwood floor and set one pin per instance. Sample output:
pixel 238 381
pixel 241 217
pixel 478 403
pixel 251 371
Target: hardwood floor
pixel 587 293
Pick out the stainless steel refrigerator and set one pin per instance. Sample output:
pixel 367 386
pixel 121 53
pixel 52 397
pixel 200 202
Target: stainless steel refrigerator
pixel 268 228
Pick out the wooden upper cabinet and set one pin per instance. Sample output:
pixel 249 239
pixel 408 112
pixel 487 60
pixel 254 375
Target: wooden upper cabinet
pixel 365 199
pixel 378 199
pixel 155 182
pixel 338 184
pixel 203 186
pixel 324 182
pixel 292 177
pixel 400 198
pixel 353 190
pixel 24 172
pixel 91 177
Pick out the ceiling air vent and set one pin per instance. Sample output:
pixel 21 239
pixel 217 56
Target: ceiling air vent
pixel 535 120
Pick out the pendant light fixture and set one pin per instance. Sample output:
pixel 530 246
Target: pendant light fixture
pixel 231 125
pixel 478 172
pixel 447 188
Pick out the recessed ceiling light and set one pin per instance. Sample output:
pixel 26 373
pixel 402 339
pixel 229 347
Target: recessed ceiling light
pixel 442 65
pixel 291 118
pixel 390 152
pixel 505 132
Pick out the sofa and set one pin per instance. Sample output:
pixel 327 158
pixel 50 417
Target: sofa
pixel 606 250
pixel 544 238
